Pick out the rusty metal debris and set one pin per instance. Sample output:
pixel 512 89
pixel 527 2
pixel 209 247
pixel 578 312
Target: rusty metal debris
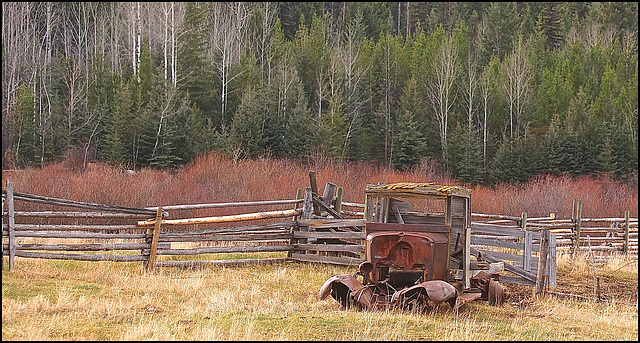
pixel 349 292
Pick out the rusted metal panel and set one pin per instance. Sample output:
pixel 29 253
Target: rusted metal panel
pixel 406 257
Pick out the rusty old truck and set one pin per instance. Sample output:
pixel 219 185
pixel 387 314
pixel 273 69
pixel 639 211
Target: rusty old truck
pixel 417 252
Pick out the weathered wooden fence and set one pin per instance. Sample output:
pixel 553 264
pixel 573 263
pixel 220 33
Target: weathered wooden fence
pixel 321 229
pixel 514 244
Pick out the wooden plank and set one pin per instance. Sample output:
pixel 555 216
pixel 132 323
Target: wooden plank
pixel 338 204
pixel 497 229
pixel 551 261
pixel 353 204
pixel 307 207
pixel 84 247
pixel 227 204
pixel 516 280
pixel 542 263
pixel 69 227
pixel 576 242
pixel 233 229
pixel 297 205
pixel 625 248
pixel 329 235
pixel 248 237
pixel 220 250
pixel 368 212
pixel 81 257
pixel 497 243
pixel 226 236
pixel 332 223
pixel 3 234
pixel 48 234
pixel 466 272
pixel 78 204
pixel 154 242
pixel 343 261
pixel 505 256
pixel 396 213
pixel 314 189
pixel 224 219
pixel 11 223
pixel 323 205
pixel 329 193
pixel 219 263
pixel 508 266
pixel 496 216
pixel 528 248
pixel 63 214
pixel 355 248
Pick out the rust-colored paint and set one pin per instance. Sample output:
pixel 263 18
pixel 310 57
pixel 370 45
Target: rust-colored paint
pixel 407 257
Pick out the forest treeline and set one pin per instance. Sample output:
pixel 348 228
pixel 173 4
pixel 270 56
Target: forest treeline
pixel 486 91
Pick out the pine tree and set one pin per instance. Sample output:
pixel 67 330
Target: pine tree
pixel 408 143
pixel 245 135
pixel 550 23
pixel 195 72
pixel 25 149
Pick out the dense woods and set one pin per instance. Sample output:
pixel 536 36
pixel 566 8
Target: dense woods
pixel 486 91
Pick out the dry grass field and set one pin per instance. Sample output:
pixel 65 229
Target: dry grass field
pixel 66 300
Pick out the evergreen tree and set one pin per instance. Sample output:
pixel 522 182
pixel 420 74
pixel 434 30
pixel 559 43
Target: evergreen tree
pixel 550 23
pixel 118 138
pixel 195 71
pixel 408 143
pixel 25 148
pixel 465 159
pixel 500 32
pixel 245 135
pixel 299 123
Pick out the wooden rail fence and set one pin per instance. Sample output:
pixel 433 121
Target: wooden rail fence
pixel 309 228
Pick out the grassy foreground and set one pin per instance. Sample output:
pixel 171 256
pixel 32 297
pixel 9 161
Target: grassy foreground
pixel 66 300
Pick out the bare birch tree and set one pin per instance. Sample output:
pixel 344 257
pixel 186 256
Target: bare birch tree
pixel 516 84
pixel 486 88
pixel 228 38
pixel 440 88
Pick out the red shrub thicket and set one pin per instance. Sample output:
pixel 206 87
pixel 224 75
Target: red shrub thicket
pixel 215 178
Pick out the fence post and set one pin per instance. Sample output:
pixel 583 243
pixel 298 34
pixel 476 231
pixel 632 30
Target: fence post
pixel 293 228
pixel 542 262
pixel 528 245
pixel 329 193
pixel 11 223
pixel 1 243
pixel 551 261
pixel 338 204
pixel 314 189
pixel 523 221
pixel 154 240
pixel 576 246
pixel 307 208
pixel 626 232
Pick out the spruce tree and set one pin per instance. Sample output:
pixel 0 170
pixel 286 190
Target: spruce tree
pixel 550 23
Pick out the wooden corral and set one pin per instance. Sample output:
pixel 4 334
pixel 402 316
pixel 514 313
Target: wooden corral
pixel 309 228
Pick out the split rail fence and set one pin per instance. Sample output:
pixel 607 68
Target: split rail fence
pixel 309 228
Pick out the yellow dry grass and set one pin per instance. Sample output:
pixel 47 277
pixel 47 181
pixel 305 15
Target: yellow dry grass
pixel 65 300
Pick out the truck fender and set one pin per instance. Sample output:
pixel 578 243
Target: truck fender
pixel 347 291
pixel 437 291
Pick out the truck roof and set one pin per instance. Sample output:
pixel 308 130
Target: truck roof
pixel 417 189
